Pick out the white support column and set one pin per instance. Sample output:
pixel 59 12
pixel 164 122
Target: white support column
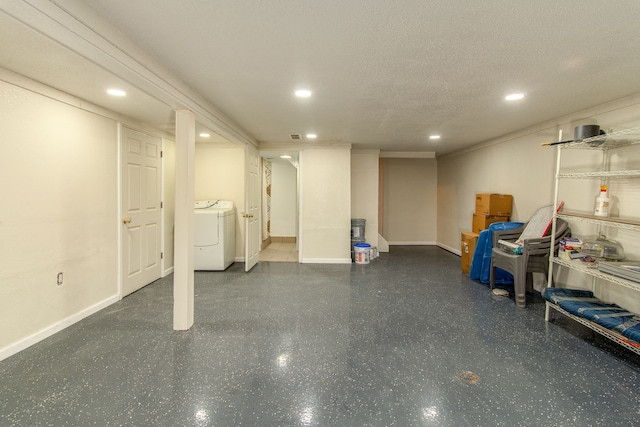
pixel 183 292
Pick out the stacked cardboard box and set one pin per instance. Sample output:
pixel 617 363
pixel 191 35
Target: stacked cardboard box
pixel 468 246
pixel 491 208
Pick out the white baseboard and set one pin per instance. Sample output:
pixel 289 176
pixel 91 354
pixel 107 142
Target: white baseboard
pixel 326 261
pixel 401 243
pixel 17 347
pixel 450 249
pixel 383 245
pixel 239 259
pixel 167 272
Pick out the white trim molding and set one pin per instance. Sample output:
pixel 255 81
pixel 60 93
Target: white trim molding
pixel 403 243
pixel 326 261
pixel 450 249
pixel 24 343
pixel 408 154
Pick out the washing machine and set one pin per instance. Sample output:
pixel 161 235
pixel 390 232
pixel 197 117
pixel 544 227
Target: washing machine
pixel 214 235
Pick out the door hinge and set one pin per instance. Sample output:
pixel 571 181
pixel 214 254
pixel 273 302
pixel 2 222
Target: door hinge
pixel 161 205
pixel 161 255
pixel 161 154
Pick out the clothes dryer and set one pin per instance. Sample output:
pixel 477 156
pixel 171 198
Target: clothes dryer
pixel 214 235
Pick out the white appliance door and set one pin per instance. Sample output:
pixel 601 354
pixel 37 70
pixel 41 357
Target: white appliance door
pixel 206 228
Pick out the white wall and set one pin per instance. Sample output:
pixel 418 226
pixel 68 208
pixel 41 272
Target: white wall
pixel 284 199
pixel 58 186
pixel 410 194
pixel 516 164
pixel 219 174
pixel 325 203
pixel 364 190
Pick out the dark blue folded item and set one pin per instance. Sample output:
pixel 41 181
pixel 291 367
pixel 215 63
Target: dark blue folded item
pixel 610 316
pixel 627 324
pixel 631 331
pixel 592 311
pixel 583 304
pixel 481 260
pixel 578 302
pixel 555 294
pixel 577 307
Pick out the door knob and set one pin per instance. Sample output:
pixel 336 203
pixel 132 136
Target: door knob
pixel 126 220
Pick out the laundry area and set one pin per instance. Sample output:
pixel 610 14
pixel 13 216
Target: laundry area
pixel 214 235
pixel 219 203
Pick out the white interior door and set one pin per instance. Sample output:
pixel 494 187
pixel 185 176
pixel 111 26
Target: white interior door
pixel 140 212
pixel 252 209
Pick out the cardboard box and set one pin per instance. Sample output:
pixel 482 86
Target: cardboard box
pixel 494 204
pixel 482 222
pixel 467 247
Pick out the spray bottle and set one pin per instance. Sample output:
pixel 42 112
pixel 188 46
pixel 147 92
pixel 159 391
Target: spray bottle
pixel 602 202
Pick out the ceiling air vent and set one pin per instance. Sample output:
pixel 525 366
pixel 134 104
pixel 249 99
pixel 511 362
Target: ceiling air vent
pixel 295 136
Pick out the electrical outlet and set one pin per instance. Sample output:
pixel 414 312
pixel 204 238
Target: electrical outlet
pixel 60 278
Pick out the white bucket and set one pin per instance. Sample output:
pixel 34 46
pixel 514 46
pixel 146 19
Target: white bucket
pixel 362 252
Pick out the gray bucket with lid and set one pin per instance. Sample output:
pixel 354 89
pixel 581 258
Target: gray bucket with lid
pixel 357 228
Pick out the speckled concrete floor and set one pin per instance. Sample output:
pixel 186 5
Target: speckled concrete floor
pixel 385 344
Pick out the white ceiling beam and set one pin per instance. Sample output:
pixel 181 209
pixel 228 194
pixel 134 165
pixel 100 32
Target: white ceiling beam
pixel 408 154
pixel 66 23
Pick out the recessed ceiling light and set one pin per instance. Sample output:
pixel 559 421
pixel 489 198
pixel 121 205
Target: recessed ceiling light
pixel 303 93
pixel 205 135
pixel 434 137
pixel 312 136
pixel 514 96
pixel 116 92
pixel 285 156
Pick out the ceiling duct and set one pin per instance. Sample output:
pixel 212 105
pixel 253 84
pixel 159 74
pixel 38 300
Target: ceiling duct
pixel 295 136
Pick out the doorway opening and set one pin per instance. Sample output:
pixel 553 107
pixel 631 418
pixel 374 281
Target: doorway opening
pixel 280 207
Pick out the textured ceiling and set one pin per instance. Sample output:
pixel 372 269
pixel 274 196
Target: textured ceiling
pixel 387 74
